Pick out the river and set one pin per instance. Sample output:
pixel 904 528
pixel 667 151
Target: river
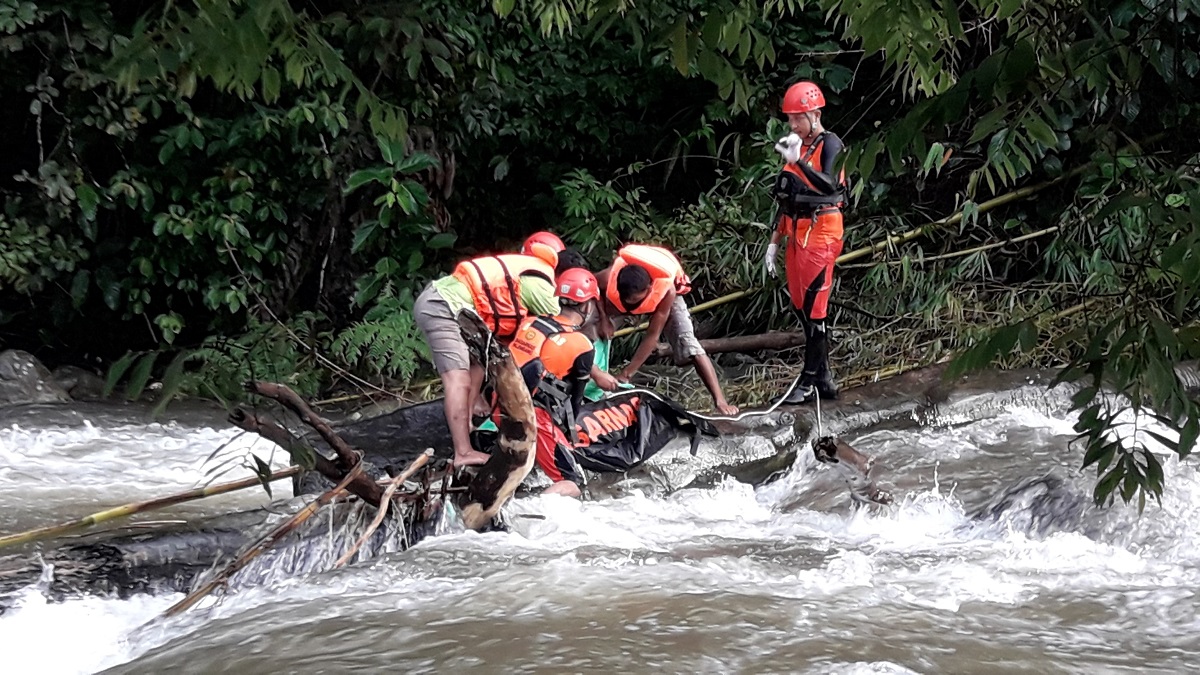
pixel 789 577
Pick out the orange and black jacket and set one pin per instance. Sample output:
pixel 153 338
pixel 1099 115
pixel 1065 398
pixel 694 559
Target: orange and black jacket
pixel 809 184
pixel 556 361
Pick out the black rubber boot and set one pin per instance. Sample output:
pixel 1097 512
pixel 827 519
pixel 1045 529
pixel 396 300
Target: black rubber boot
pixel 822 378
pixel 804 391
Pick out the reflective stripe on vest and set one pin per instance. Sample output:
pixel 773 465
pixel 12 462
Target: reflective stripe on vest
pixel 665 273
pixel 495 283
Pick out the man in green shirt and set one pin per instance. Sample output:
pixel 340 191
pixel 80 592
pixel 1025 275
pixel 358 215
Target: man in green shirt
pixel 484 285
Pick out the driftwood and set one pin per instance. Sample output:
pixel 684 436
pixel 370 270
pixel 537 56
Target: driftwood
pixel 279 532
pixel 361 486
pixel 512 459
pixel 741 343
pixel 381 512
pixel 130 509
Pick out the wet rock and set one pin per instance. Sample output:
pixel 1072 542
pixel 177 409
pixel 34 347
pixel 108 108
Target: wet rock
pixel 80 384
pixel 23 379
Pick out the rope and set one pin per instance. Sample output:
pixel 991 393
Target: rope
pixel 732 418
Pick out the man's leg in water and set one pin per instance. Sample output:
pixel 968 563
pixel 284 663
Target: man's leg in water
pixel 452 359
pixel 681 335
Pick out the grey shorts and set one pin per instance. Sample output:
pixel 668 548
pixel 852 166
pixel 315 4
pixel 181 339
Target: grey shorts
pixel 445 339
pixel 680 332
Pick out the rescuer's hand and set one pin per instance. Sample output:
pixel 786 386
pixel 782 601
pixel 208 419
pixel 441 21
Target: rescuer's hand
pixel 769 259
pixel 789 147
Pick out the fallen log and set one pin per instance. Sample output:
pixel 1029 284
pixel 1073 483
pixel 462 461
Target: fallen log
pixel 512 459
pixel 742 343
pixel 279 532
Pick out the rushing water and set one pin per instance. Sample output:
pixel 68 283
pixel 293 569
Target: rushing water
pixel 786 578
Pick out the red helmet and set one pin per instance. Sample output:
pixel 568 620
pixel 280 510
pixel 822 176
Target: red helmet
pixel 578 285
pixel 803 97
pixel 548 238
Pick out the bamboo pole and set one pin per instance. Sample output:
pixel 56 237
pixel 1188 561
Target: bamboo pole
pixel 140 507
pixel 278 532
pixel 969 251
pixel 381 512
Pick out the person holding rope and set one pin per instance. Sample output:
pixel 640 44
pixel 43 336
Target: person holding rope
pixel 811 197
pixel 502 290
pixel 649 281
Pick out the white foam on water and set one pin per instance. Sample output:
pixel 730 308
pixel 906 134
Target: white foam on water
pixel 79 635
pixel 922 554
pixel 80 469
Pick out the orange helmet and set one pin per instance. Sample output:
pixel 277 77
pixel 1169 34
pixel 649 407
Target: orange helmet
pixel 578 285
pixel 803 97
pixel 548 238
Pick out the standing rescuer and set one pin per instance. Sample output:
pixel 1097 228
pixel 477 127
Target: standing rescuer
pixel 811 198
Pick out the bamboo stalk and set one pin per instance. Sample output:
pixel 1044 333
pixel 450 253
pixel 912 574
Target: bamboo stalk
pixel 278 532
pixel 904 237
pixel 381 512
pixel 969 251
pixel 132 508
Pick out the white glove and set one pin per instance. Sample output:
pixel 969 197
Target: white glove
pixel 769 260
pixel 789 147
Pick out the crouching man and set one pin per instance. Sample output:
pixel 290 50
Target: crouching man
pixel 556 360
pixel 650 281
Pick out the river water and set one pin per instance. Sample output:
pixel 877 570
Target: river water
pixel 785 578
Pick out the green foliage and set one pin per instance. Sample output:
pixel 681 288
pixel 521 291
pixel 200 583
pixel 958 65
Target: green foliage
pixel 266 351
pixel 399 225
pixel 271 181
pixel 386 342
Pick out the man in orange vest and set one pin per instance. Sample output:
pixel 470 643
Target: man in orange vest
pixel 503 290
pixel 811 193
pixel 556 360
pixel 649 280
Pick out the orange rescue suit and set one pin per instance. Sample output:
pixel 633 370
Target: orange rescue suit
pixel 555 360
pixel 823 224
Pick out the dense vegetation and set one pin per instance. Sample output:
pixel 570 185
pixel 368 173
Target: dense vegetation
pixel 214 187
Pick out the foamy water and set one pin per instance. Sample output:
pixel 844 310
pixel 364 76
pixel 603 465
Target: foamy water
pixel 785 578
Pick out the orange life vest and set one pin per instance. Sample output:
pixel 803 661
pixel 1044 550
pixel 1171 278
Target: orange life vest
pixel 495 283
pixel 822 223
pixel 545 349
pixel 665 273
pixel 812 157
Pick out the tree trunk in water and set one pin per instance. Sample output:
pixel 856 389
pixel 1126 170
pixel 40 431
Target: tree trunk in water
pixel 513 457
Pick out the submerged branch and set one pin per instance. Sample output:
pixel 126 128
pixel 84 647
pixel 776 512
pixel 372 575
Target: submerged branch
pixel 132 508
pixel 279 532
pixel 362 485
pixel 381 512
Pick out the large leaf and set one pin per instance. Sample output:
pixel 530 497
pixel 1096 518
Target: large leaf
pixel 361 177
pixel 172 381
pixel 116 371
pixel 140 377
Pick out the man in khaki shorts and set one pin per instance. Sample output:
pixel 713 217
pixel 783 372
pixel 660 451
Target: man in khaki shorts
pixel 649 280
pixel 502 290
